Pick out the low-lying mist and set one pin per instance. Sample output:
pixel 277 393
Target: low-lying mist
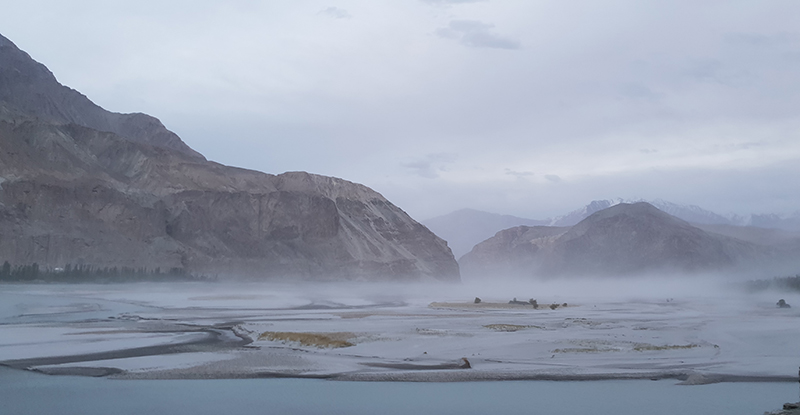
pixel 348 294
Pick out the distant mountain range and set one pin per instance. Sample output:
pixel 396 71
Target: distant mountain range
pixel 690 213
pixel 621 240
pixel 465 228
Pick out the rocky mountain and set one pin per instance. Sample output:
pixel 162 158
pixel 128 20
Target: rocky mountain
pixel 577 215
pixel 82 185
pixel 464 228
pixel 624 239
pixel 689 213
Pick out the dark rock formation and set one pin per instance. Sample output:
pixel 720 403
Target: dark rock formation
pixel 79 184
pixel 625 239
pixel 783 304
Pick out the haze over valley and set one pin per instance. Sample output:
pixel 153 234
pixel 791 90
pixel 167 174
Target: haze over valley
pixel 286 215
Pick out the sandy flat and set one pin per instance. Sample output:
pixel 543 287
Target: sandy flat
pixel 391 335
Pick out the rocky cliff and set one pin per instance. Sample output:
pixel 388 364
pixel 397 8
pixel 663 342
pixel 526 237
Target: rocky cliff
pixel 79 184
pixel 625 239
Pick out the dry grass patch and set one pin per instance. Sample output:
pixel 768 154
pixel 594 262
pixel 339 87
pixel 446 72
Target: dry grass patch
pixel 583 350
pixel 320 340
pixel 644 347
pixel 482 305
pixel 356 315
pixel 585 346
pixel 509 327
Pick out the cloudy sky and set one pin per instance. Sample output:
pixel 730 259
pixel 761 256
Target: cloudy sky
pixel 530 108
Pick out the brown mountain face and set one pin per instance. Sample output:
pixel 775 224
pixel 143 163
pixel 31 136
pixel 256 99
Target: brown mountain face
pixel 82 185
pixel 626 239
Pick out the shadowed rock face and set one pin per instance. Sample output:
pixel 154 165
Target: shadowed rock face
pixel 79 184
pixel 625 239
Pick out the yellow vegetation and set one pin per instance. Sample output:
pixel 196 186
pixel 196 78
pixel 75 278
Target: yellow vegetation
pixel 583 350
pixel 509 327
pixel 320 340
pixel 644 347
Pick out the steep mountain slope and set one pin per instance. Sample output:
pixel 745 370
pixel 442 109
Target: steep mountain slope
pixel 689 213
pixel 637 238
pixel 625 239
pixel 29 89
pixel 464 228
pixel 756 235
pixel 79 184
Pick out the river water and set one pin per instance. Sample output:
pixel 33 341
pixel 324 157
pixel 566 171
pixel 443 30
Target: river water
pixel 30 393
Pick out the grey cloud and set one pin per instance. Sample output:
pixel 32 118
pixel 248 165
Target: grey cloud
pixel 431 165
pixel 423 168
pixel 714 71
pixel 638 91
pixel 519 174
pixel 553 178
pixel 448 2
pixel 576 92
pixel 335 13
pixel 751 144
pixel 476 34
pixel 762 40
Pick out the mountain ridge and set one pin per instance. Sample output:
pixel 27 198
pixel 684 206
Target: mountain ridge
pixel 82 185
pixel 463 231
pixel 624 239
pixel 28 88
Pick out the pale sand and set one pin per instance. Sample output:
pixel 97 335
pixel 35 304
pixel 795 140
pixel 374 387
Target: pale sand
pixel 697 341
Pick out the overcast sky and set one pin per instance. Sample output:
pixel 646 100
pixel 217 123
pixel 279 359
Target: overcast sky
pixel 530 108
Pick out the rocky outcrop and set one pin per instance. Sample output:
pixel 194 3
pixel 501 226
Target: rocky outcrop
pixel 625 239
pixel 79 184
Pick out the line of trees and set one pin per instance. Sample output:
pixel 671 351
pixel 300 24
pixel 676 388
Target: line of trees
pixel 88 273
pixel 778 283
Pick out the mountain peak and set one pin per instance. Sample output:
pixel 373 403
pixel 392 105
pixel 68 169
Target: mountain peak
pixel 28 90
pixel 4 41
pixel 624 239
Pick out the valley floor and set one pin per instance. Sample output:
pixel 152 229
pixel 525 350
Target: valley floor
pixel 393 332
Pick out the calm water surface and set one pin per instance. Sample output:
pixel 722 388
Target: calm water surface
pixel 30 393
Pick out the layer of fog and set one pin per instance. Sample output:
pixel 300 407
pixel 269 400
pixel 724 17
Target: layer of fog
pixel 346 294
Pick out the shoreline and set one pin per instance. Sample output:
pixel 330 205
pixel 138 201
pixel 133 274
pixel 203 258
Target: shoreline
pixel 443 375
